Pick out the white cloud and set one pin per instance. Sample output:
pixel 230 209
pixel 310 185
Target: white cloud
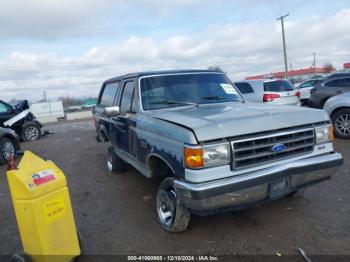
pixel 241 49
pixel 46 19
pixel 54 19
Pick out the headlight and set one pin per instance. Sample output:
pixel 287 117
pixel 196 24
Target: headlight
pixel 324 134
pixel 208 155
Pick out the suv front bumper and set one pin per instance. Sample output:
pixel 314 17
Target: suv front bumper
pixel 247 189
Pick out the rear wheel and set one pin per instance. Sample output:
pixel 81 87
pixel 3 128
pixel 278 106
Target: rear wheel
pixel 115 164
pixel 7 148
pixel 341 123
pixel 173 215
pixel 304 101
pixel 30 132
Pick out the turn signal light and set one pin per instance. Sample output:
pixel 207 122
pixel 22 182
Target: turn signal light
pixel 331 133
pixel 270 97
pixel 193 157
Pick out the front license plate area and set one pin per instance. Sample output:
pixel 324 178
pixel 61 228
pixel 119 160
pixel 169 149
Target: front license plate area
pixel 279 188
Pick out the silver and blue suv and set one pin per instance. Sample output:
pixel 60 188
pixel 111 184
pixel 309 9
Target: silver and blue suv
pixel 212 150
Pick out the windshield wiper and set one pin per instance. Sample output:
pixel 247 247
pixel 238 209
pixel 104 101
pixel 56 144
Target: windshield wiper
pixel 173 102
pixel 180 102
pixel 217 98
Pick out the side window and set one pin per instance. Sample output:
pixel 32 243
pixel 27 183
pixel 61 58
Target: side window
pixel 4 108
pixel 346 82
pixel 307 84
pixel 127 97
pixel 244 88
pixel 333 83
pixel 109 92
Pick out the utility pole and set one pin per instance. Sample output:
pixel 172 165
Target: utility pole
pixel 314 64
pixel 284 44
pixel 44 96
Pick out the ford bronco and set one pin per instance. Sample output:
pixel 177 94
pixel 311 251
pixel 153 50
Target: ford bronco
pixel 212 149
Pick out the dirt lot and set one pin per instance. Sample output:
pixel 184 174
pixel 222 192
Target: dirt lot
pixel 116 214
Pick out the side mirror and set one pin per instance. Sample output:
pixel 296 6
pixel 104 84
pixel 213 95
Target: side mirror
pixel 112 111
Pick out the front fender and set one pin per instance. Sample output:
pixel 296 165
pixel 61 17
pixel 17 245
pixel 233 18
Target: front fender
pixel 164 140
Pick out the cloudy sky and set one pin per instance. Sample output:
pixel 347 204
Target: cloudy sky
pixel 68 47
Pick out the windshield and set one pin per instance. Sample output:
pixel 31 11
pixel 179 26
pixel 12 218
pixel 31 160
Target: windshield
pixel 159 92
pixel 278 86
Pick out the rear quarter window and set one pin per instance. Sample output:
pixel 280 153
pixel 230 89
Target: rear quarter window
pixel 244 88
pixel 278 86
pixel 109 93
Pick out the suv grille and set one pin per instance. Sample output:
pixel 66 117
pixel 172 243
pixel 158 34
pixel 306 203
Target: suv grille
pixel 257 151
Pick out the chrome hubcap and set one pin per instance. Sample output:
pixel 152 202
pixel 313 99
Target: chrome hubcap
pixel 31 133
pixel 342 124
pixel 8 149
pixel 109 164
pixel 166 206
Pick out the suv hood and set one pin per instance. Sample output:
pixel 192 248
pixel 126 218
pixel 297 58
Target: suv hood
pixel 216 121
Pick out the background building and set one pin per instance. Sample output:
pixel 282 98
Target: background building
pixel 299 74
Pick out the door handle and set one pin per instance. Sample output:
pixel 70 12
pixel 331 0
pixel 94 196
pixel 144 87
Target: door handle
pixel 339 92
pixel 120 117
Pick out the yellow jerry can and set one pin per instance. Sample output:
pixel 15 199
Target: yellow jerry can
pixel 43 210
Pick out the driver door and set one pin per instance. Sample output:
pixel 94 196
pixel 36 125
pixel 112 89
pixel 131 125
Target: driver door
pixel 123 121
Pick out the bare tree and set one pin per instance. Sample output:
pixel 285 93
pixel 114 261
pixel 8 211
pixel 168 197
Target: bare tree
pixel 69 101
pixel 328 67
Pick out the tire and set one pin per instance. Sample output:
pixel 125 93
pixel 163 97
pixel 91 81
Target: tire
pixel 341 123
pixel 30 132
pixel 304 102
pixel 7 147
pixel 115 165
pixel 172 214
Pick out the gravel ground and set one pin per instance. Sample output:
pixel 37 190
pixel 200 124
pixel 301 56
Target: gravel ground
pixel 116 214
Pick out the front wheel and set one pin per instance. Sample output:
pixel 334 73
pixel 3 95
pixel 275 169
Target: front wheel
pixel 7 148
pixel 173 215
pixel 30 132
pixel 341 123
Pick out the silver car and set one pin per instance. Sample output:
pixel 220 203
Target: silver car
pixel 338 108
pixel 273 91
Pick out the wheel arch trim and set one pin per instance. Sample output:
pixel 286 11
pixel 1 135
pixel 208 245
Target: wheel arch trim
pixel 155 155
pixel 337 109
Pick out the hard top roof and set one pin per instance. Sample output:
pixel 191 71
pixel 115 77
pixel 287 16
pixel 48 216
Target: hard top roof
pixel 163 72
